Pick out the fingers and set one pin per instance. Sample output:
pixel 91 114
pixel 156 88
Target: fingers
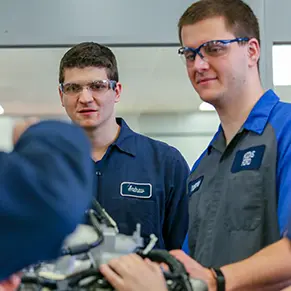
pixel 115 280
pixel 177 253
pixel 131 272
pixel 181 256
pixel 154 267
pixel 11 284
pixel 118 269
pixel 15 280
pixel 193 268
pixel 126 264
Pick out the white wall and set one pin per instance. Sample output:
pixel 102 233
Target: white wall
pixel 6 125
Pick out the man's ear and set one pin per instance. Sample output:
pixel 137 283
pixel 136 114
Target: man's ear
pixel 61 96
pixel 254 52
pixel 118 90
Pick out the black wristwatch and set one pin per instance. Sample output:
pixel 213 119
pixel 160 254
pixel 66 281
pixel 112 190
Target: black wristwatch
pixel 220 280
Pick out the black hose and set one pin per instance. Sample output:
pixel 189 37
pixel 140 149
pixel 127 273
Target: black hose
pixel 178 272
pixel 97 279
pixel 162 256
pixel 96 225
pixel 39 281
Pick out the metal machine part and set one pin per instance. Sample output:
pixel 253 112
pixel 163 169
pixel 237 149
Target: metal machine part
pixel 90 246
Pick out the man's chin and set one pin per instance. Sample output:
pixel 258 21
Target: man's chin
pixel 210 97
pixel 88 124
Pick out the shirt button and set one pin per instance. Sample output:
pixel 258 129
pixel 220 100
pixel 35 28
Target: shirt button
pixel 98 173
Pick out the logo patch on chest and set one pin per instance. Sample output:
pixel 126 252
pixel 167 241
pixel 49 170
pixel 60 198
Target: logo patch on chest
pixel 137 190
pixel 195 185
pixel 248 159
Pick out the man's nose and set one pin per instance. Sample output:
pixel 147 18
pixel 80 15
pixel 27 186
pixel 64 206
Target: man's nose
pixel 86 95
pixel 200 63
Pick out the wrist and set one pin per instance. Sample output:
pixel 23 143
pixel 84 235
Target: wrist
pixel 211 280
pixel 219 279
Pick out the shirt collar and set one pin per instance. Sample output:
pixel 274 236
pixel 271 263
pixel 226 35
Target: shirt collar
pixel 259 116
pixel 256 121
pixel 218 141
pixel 126 139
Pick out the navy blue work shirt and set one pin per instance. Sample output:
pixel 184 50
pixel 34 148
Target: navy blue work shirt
pixel 141 180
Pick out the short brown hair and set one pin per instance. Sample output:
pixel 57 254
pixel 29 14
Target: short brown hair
pixel 89 54
pixel 239 17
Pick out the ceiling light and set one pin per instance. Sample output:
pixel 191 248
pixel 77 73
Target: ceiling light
pixel 1 110
pixel 204 106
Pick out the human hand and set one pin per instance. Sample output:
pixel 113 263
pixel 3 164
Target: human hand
pixel 10 284
pixel 195 270
pixel 132 273
pixel 21 126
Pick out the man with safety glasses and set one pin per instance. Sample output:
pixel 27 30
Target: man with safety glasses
pixel 239 189
pixel 138 179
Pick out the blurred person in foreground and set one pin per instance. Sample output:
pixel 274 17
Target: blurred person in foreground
pixel 46 186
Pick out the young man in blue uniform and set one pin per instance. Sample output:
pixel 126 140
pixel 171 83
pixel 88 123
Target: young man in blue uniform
pixel 138 179
pixel 46 186
pixel 239 189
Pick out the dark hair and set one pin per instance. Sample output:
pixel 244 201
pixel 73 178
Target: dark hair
pixel 89 54
pixel 239 17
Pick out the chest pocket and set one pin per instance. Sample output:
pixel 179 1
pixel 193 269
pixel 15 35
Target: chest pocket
pixel 128 211
pixel 244 201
